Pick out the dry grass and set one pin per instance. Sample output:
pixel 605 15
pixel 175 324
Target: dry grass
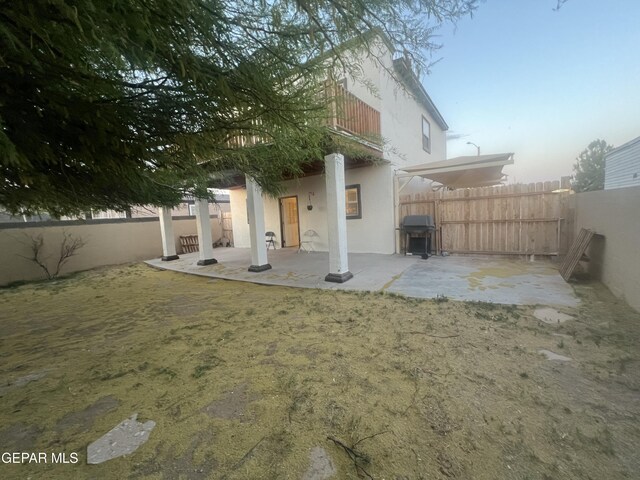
pixel 243 380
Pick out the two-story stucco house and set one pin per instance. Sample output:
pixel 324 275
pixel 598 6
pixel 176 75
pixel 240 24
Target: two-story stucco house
pixel 390 95
pixel 342 203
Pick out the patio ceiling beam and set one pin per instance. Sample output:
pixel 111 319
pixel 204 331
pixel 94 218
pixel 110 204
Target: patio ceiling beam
pixel 203 227
pixel 336 219
pixel 255 212
pixel 166 230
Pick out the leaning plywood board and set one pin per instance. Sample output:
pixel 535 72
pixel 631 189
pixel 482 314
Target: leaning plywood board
pixel 575 253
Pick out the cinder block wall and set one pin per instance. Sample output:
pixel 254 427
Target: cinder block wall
pixel 108 242
pixel 616 257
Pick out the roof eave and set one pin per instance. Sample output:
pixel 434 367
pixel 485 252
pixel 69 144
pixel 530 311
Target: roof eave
pixel 413 81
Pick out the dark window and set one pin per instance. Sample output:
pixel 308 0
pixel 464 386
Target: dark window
pixel 353 203
pixel 426 135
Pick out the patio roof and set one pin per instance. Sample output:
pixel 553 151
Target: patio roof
pixel 464 172
pixel 235 180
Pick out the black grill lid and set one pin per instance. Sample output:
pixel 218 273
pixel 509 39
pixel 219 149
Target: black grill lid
pixel 418 223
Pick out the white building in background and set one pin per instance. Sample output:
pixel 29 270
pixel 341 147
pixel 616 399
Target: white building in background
pixel 387 99
pixel 622 166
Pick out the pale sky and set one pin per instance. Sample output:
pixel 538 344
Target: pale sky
pixel 520 77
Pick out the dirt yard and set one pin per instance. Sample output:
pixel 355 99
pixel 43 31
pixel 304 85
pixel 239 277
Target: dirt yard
pixel 247 381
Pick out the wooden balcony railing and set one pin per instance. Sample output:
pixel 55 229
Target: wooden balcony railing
pixel 240 138
pixel 347 114
pixel 352 115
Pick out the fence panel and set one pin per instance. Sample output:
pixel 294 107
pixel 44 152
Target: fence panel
pixel 513 219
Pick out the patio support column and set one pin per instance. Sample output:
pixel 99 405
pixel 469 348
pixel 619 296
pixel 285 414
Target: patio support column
pixel 166 230
pixel 203 226
pixel 396 212
pixel 255 211
pixel 336 219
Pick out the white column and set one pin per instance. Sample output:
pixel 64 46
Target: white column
pixel 396 213
pixel 336 219
pixel 255 211
pixel 166 230
pixel 203 226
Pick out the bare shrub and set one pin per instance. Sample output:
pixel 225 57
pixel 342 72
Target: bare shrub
pixel 68 248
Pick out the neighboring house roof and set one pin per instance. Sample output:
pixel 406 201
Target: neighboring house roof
pixel 464 172
pixel 406 73
pixel 220 197
pixel 623 146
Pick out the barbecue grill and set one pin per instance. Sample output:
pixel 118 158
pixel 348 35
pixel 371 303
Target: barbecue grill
pixel 417 230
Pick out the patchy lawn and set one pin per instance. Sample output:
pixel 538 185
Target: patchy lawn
pixel 247 381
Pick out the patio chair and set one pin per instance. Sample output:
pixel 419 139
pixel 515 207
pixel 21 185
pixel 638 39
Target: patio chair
pixel 271 240
pixel 307 241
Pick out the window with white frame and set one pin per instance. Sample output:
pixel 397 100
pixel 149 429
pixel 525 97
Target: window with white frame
pixel 353 203
pixel 426 135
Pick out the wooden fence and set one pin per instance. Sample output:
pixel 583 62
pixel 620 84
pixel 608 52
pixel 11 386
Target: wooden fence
pixel 507 220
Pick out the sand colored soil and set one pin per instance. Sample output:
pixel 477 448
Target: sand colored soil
pixel 247 381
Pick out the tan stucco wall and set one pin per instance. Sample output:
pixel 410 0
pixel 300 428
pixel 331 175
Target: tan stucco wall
pixel 373 233
pixel 615 260
pixel 106 244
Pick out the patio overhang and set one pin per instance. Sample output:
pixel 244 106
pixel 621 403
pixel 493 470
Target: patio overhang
pixel 333 167
pixel 357 151
pixel 463 172
pixel 236 180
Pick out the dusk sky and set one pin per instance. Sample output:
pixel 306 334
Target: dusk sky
pixel 520 77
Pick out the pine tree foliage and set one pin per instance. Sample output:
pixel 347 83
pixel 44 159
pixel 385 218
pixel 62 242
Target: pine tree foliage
pixel 589 167
pixel 105 105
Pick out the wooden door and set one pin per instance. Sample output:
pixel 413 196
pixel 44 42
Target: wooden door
pixel 289 222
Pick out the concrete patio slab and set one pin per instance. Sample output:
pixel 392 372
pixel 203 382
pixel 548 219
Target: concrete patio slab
pixel 495 280
pixel 371 272
pixel 506 281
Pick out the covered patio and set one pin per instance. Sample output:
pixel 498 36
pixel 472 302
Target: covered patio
pixel 336 265
pixel 487 279
pixel 371 272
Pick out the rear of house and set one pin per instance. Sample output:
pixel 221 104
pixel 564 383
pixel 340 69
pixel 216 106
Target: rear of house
pixel 385 96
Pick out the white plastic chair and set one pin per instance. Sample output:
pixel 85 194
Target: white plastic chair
pixel 307 241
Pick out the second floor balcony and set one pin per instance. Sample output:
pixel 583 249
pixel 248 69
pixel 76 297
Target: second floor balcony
pixel 351 115
pixel 348 115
